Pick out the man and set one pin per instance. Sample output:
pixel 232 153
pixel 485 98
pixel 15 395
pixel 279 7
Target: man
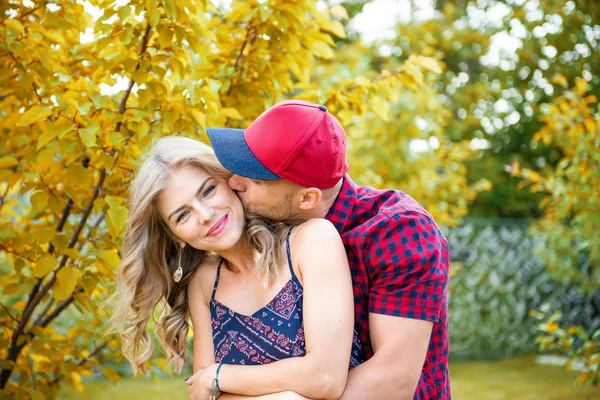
pixel 290 164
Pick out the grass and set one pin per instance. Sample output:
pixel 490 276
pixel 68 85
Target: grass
pixel 511 379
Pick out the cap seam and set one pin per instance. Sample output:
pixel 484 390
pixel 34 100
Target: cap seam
pixel 301 143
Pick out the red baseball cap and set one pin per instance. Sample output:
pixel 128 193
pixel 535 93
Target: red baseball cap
pixel 295 140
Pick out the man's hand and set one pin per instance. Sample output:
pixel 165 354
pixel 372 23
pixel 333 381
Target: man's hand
pixel 200 383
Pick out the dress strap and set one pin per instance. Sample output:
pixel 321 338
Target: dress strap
pixel 289 253
pixel 216 279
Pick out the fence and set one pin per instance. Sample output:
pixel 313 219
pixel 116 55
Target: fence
pixel 497 280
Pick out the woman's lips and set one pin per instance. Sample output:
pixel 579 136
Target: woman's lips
pixel 218 226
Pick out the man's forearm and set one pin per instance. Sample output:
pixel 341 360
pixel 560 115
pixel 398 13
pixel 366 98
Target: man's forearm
pixel 374 379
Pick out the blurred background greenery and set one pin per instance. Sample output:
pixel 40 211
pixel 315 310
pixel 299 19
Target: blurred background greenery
pixel 485 111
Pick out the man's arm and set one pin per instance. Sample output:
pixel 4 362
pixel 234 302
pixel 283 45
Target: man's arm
pixel 272 396
pixel 407 262
pixel 400 345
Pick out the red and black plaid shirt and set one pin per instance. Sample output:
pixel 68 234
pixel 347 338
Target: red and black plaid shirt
pixel 399 263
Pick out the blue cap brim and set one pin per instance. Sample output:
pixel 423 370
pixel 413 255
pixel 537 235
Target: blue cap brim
pixel 235 155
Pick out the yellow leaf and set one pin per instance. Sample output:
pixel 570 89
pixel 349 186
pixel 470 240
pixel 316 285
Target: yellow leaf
pixel 552 326
pixel 76 381
pixel 165 37
pixel 109 257
pixel 44 266
pixel 231 113
pixel 362 81
pixel 111 374
pixel 339 11
pixel 14 24
pixel 560 80
pixel 39 201
pixel 152 12
pixel 34 114
pixel 335 27
pixel 322 50
pixel 77 174
pixel 590 125
pixel 67 280
pixel 428 63
pixel 46 138
pixel 8 162
pixel 200 118
pixel 581 86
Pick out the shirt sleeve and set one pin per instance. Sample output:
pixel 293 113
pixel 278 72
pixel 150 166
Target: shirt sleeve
pixel 408 262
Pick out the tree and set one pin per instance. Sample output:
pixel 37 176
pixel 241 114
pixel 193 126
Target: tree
pixel 571 216
pixel 70 145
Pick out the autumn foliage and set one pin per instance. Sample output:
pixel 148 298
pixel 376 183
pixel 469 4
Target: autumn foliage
pixel 70 142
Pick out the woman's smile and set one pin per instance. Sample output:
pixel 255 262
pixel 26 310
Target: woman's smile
pixel 219 226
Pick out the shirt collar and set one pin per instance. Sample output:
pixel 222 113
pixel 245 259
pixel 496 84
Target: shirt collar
pixel 340 212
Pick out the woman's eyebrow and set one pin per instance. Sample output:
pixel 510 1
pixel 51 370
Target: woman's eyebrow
pixel 197 191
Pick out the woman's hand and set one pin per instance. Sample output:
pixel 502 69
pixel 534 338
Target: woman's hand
pixel 200 383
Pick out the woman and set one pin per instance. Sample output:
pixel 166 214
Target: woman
pixel 257 292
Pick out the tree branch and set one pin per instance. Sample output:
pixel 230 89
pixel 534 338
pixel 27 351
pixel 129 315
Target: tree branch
pixel 43 313
pixel 250 34
pixel 36 295
pixel 9 314
pixel 59 308
pixel 97 350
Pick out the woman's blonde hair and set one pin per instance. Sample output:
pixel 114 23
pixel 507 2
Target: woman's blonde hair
pixel 151 253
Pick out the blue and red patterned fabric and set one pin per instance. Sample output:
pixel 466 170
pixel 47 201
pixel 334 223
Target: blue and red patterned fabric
pixel 272 333
pixel 399 262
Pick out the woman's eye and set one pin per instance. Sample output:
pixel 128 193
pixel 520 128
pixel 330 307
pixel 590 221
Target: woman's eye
pixel 209 190
pixel 181 216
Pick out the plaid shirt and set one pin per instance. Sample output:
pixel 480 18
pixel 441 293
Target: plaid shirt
pixel 399 263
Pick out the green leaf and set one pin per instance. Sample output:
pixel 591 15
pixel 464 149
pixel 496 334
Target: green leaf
pixel 124 12
pixel 67 280
pixel 88 136
pixel 111 374
pixel 170 8
pixel 152 12
pixel 44 266
pixel 116 217
pixel 35 113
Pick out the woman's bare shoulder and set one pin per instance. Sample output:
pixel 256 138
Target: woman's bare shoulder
pixel 203 278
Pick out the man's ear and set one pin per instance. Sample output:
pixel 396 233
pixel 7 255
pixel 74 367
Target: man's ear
pixel 310 197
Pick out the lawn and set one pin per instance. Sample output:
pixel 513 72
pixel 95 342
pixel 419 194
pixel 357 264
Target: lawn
pixel 513 379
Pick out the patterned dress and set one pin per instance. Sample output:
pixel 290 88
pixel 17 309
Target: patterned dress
pixel 272 333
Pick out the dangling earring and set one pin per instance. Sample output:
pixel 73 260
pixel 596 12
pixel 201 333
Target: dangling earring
pixel 179 271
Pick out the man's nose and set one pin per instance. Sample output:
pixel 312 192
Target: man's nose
pixel 237 183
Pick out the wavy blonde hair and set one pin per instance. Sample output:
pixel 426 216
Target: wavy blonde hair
pixel 151 254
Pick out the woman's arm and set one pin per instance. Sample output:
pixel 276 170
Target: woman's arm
pixel 328 326
pixel 198 303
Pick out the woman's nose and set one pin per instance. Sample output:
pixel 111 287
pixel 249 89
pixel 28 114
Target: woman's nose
pixel 203 212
